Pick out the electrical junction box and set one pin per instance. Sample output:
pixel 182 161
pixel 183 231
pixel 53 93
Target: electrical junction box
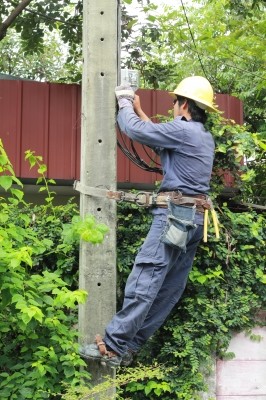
pixel 130 76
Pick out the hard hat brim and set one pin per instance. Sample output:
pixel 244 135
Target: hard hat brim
pixel 205 106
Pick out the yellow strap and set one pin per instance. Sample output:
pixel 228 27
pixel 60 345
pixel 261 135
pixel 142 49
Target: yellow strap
pixel 205 227
pixel 215 223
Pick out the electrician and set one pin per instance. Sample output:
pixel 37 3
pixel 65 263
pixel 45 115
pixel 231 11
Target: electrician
pixel 162 265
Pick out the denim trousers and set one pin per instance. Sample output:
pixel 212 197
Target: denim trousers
pixel 155 284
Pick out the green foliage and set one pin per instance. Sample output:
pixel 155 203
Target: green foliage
pixel 87 229
pixel 48 65
pixel 38 286
pixel 225 291
pixel 41 170
pixel 158 388
pixel 235 145
pixel 63 15
pixel 131 378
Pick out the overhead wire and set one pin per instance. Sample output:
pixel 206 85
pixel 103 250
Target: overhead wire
pixel 193 40
pixel 226 64
pixel 198 53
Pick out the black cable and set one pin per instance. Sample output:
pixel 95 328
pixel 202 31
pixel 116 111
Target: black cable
pixel 193 40
pixel 134 156
pixel 141 160
pixel 224 63
pixel 141 164
pixel 148 155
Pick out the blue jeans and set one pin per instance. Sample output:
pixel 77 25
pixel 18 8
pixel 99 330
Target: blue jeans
pixel 154 286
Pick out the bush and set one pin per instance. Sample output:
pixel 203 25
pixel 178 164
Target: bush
pixel 39 295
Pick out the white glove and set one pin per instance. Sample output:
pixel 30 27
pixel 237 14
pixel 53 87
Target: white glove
pixel 124 95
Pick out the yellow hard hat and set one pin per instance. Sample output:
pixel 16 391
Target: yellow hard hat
pixel 199 89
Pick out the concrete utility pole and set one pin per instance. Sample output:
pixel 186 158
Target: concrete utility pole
pixel 101 41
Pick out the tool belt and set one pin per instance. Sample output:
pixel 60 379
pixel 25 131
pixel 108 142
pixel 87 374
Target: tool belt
pixel 200 201
pixel 147 199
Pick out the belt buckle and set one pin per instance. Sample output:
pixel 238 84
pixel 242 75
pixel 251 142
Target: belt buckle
pixel 139 202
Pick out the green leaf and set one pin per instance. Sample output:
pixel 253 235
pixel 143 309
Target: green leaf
pixel 26 393
pixel 31 159
pixel 6 181
pixel 3 218
pixel 18 193
pixel 150 386
pixel 26 218
pixel 3 159
pixel 69 371
pixel 262 144
pixel 17 181
pixel 17 298
pixel 42 169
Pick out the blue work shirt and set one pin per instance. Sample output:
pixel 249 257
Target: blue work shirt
pixel 186 150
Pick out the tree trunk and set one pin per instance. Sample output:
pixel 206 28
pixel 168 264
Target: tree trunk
pixel 6 24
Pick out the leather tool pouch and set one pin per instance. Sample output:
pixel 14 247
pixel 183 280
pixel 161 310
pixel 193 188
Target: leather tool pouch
pixel 179 223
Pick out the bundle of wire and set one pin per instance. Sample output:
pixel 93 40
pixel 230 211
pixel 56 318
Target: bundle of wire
pixel 131 153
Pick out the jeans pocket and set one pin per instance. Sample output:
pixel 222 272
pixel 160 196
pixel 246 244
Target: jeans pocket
pixel 177 229
pixel 151 245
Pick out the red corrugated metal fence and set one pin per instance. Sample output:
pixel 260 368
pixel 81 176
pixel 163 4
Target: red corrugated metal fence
pixel 45 118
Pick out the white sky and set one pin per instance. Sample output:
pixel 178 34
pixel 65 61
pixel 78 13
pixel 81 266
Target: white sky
pixel 134 8
pixel 172 3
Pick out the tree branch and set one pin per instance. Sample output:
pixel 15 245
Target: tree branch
pixel 6 24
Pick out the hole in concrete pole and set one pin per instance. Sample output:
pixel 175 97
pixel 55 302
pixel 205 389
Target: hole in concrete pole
pixel 100 141
pixel 99 209
pixel 102 39
pixel 102 12
pixel 102 73
pixel 99 284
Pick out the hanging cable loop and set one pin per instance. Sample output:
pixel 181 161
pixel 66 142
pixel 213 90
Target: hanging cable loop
pixel 132 154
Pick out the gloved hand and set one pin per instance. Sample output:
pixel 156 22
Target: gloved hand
pixel 124 95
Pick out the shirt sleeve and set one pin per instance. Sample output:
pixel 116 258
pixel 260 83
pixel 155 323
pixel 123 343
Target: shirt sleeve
pixel 166 135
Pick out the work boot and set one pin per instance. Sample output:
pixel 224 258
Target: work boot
pixel 127 359
pixel 98 352
pixel 91 351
